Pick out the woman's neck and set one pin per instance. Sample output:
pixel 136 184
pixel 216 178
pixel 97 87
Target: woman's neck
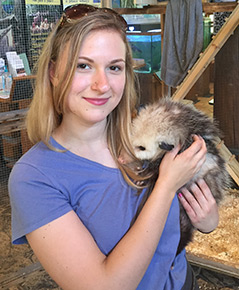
pixel 90 143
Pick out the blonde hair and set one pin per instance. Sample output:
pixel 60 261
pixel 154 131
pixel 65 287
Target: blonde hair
pixel 47 107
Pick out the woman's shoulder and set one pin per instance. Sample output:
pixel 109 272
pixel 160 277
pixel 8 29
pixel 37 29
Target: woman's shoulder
pixel 35 155
pixel 42 153
pixel 30 163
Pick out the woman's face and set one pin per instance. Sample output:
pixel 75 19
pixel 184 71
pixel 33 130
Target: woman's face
pixel 99 79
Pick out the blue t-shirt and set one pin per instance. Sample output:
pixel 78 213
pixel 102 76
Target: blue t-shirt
pixel 46 184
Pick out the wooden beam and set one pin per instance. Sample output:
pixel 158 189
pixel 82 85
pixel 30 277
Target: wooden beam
pixel 219 7
pixel 12 121
pixel 12 126
pixel 232 163
pixel 12 115
pixel 160 8
pixel 20 276
pixel 149 9
pixel 214 266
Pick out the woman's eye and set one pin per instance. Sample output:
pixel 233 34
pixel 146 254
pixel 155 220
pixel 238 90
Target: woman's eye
pixel 115 68
pixel 82 66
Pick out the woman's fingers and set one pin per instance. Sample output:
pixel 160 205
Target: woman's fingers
pixel 178 168
pixel 200 206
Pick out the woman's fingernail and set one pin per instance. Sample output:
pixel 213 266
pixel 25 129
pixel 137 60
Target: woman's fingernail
pixel 180 194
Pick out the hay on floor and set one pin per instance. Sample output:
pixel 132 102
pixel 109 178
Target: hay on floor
pixel 222 245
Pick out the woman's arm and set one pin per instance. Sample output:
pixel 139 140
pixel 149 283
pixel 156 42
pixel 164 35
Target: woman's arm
pixel 70 255
pixel 201 207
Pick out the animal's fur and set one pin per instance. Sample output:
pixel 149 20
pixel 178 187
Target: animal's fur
pixel 161 126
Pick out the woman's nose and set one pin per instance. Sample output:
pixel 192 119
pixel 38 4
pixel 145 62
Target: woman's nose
pixel 100 82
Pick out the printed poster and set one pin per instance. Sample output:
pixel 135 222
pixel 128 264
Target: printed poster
pixel 42 16
pixel 96 3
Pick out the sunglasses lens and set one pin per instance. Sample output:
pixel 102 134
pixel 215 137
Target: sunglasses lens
pixel 77 11
pixel 80 10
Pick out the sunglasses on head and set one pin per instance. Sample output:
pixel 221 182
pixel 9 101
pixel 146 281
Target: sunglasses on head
pixel 80 10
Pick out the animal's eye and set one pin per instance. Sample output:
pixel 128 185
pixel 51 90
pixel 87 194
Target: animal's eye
pixel 166 146
pixel 141 148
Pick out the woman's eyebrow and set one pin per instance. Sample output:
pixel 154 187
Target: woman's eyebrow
pixel 117 60
pixel 85 58
pixel 91 60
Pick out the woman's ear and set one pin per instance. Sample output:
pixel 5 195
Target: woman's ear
pixel 53 78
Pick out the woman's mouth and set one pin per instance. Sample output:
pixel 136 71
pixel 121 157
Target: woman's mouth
pixel 97 101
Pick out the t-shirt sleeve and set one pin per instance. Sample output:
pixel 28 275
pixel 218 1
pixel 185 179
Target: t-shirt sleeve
pixel 35 200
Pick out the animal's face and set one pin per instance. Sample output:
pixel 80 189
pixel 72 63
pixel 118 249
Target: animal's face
pixel 146 147
pixel 150 148
pixel 153 133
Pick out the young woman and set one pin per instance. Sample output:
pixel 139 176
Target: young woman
pixel 72 199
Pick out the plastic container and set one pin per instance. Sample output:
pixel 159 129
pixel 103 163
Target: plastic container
pixel 6 81
pixel 2 67
pixel 207 36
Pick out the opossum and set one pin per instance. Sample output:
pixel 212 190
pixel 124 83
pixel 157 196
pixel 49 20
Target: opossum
pixel 161 126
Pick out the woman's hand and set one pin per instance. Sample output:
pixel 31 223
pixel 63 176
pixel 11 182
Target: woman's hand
pixel 177 169
pixel 200 206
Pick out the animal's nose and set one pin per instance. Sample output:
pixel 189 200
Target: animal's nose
pixel 166 146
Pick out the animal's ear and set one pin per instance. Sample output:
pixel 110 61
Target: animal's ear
pixel 166 146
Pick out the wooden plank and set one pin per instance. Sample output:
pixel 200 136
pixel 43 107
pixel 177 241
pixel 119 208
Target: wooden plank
pixel 212 265
pixel 160 8
pixel 12 126
pixel 149 9
pixel 12 115
pixel 232 163
pixel 219 7
pixel 19 276
pixel 12 121
pixel 208 55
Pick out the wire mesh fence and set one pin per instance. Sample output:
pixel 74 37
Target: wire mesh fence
pixel 24 26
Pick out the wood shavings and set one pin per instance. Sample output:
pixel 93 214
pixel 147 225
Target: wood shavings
pixel 222 245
